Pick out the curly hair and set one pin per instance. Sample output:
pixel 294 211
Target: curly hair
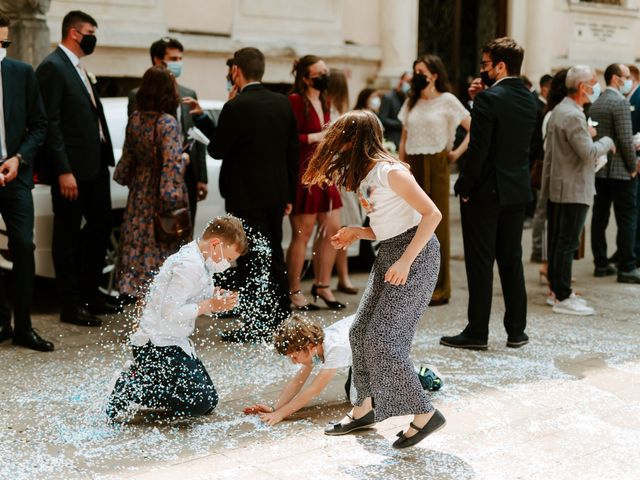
pixel 295 334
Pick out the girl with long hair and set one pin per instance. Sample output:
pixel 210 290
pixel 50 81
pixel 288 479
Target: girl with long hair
pixel 403 218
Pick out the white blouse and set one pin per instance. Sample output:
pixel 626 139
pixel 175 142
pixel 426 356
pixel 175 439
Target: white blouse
pixel 389 214
pixel 431 124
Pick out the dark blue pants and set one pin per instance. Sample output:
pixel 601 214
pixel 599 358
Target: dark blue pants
pixel 567 223
pixel 16 208
pixel 167 378
pixel 622 195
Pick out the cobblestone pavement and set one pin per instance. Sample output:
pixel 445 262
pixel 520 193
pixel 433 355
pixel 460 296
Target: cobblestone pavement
pixel 566 406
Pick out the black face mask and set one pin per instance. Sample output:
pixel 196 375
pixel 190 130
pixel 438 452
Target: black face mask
pixel 320 83
pixel 486 80
pixel 88 43
pixel 419 82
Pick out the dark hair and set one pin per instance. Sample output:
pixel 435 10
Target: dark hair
pixel 545 80
pixel 250 61
pixel 526 81
pixel 363 96
pixel 73 19
pixel 345 154
pixel 338 90
pixel 158 48
pixel 610 71
pixel 5 21
pixel 434 65
pixel 558 89
pixel 505 50
pixel 158 91
pixel 300 71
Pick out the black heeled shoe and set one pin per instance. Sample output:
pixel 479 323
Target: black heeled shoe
pixel 309 307
pixel 333 304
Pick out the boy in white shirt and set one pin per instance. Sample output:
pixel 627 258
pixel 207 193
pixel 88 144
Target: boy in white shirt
pixel 307 343
pixel 166 373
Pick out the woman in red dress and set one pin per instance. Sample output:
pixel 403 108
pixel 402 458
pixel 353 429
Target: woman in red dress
pixel 314 204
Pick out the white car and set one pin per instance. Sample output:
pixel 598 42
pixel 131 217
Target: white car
pixel 115 110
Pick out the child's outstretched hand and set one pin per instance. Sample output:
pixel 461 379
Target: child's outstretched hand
pixel 345 237
pixel 257 408
pixel 271 418
pixel 219 303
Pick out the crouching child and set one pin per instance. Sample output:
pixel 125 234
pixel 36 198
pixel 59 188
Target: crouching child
pixel 166 373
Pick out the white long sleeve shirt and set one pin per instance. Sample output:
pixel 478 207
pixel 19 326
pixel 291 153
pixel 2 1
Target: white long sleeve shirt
pixel 171 308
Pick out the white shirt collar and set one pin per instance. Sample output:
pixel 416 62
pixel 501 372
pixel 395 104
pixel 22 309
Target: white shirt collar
pixel 503 78
pixel 250 83
pixel 75 60
pixel 615 90
pixel 542 99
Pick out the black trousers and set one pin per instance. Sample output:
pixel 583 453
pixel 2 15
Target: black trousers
pixel 16 208
pixel 622 194
pixel 79 250
pixel 192 191
pixel 493 233
pixel 567 224
pixel 268 222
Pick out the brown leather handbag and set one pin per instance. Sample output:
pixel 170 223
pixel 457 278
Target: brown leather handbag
pixel 170 226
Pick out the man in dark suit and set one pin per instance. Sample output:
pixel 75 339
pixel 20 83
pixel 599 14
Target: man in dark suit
pixel 169 51
pixel 257 140
pixel 78 150
pixel 494 188
pixel 23 126
pixel 391 105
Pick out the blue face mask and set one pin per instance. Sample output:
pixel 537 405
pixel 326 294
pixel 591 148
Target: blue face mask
pixel 405 87
pixel 316 360
pixel 595 94
pixel 626 88
pixel 175 68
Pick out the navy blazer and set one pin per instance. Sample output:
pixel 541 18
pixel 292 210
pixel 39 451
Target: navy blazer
pixel 502 122
pixel 73 141
pixel 25 120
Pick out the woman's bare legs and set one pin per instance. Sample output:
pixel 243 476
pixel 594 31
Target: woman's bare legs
pixel 301 230
pixel 324 253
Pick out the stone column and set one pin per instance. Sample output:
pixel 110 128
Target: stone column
pixel 537 44
pixel 398 38
pixel 29 32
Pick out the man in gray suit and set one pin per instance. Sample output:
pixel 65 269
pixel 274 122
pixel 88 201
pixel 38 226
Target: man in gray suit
pixel 568 181
pixel 169 51
pixel 616 183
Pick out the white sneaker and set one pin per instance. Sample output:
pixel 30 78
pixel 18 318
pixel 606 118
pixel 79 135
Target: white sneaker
pixel 551 299
pixel 573 306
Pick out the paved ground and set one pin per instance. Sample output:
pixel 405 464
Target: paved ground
pixel 566 406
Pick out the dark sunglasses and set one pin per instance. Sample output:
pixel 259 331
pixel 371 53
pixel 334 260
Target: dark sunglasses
pixel 5 43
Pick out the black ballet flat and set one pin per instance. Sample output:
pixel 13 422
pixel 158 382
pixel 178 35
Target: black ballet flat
pixel 333 304
pixel 435 423
pixel 368 421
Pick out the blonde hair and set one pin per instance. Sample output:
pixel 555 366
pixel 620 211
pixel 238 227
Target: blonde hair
pixel 229 229
pixel 295 334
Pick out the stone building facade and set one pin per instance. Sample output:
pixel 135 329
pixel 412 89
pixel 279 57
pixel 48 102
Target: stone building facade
pixel 373 40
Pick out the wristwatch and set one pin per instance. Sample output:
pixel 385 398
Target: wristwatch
pixel 20 159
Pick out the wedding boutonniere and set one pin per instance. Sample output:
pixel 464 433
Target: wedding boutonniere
pixel 632 108
pixel 92 78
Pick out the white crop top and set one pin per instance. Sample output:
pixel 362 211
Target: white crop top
pixel 389 214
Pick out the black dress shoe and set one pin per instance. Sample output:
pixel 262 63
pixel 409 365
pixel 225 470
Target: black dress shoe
pixel 435 423
pixel 30 339
pixel 80 316
pixel 464 341
pixel 605 271
pixel 5 333
pixel 517 341
pixel 101 307
pixel 367 421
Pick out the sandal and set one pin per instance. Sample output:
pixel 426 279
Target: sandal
pixel 303 308
pixel 367 421
pixel 435 423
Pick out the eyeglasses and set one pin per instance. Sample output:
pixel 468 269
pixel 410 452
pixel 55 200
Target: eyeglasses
pixel 5 43
pixel 486 62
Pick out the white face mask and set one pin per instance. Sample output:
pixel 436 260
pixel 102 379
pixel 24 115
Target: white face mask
pixel 374 103
pixel 217 267
pixel 3 53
